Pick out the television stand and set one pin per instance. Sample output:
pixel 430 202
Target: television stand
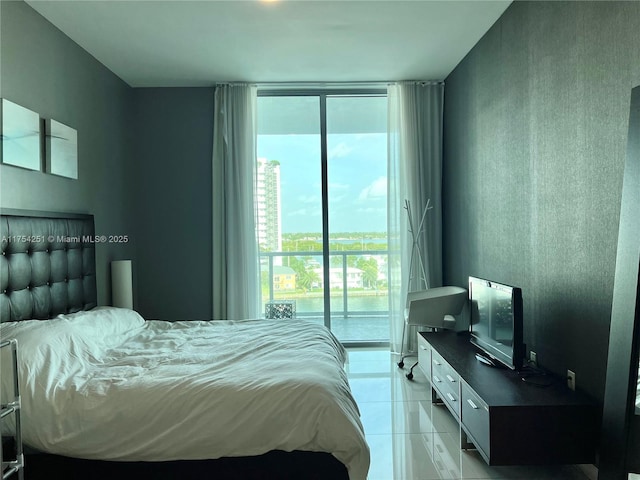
pixel 509 421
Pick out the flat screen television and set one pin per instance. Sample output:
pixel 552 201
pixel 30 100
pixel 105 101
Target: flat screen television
pixel 496 321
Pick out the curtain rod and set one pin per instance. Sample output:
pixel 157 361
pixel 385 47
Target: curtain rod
pixel 384 84
pixel 345 84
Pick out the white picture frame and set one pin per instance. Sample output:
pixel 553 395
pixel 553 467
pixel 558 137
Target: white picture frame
pixel 61 147
pixel 21 136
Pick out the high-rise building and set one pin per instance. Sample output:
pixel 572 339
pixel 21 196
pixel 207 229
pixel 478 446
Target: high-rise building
pixel 268 204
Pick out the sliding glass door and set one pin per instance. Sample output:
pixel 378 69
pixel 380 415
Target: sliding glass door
pixel 289 195
pixel 357 198
pixel 321 206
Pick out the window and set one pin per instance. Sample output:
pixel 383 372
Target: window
pixel 321 203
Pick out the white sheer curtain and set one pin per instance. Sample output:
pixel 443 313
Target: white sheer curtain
pixel 236 271
pixel 414 174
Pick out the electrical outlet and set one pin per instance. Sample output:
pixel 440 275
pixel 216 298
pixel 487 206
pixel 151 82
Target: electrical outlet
pixel 533 358
pixel 571 379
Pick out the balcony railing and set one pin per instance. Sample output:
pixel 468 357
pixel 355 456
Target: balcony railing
pixel 346 300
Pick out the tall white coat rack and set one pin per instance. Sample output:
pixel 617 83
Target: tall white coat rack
pixel 416 253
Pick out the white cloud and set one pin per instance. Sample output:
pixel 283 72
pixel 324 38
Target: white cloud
pixel 375 190
pixel 340 150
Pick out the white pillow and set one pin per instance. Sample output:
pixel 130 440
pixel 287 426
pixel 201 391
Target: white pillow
pixel 103 322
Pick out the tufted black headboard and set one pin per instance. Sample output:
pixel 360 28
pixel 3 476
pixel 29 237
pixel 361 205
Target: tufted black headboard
pixel 47 266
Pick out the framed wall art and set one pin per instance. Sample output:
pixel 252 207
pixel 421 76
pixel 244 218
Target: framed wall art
pixel 61 147
pixel 20 129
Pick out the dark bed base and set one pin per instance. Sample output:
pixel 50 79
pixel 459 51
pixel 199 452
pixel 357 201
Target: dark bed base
pixel 275 465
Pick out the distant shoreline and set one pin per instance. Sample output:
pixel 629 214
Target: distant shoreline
pixel 334 293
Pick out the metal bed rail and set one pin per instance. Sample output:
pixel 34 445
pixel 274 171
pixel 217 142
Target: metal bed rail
pixel 13 406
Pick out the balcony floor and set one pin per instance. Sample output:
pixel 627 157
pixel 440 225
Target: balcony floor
pixel 355 329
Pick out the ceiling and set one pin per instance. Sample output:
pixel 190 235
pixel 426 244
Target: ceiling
pixel 198 43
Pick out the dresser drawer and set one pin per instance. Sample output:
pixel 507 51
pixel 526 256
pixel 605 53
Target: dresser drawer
pixel 475 418
pixel 440 366
pixel 446 382
pixel 444 371
pixel 424 356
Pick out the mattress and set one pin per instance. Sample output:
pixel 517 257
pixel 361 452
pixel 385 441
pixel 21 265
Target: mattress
pixel 106 384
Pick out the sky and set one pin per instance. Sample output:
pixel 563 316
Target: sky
pixel 357 172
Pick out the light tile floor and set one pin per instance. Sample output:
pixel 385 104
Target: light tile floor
pixel 411 439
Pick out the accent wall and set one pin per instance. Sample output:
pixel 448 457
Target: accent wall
pixel 46 72
pixel 535 131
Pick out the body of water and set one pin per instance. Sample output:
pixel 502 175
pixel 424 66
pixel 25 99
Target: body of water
pixel 351 241
pixel 361 303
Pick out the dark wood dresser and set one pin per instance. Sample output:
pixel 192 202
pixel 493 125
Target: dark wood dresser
pixel 511 418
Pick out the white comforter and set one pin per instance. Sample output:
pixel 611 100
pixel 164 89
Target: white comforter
pixel 108 385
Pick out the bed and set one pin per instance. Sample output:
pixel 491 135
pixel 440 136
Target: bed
pixel 106 393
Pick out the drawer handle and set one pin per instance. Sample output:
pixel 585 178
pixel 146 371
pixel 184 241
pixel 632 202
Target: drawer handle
pixel 436 379
pixel 473 405
pixel 451 379
pixel 422 347
pixel 451 397
pixel 437 362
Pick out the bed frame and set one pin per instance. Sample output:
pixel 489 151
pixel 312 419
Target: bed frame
pixel 47 267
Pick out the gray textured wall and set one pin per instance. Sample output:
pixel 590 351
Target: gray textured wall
pixel 173 148
pixel 536 120
pixel 43 70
